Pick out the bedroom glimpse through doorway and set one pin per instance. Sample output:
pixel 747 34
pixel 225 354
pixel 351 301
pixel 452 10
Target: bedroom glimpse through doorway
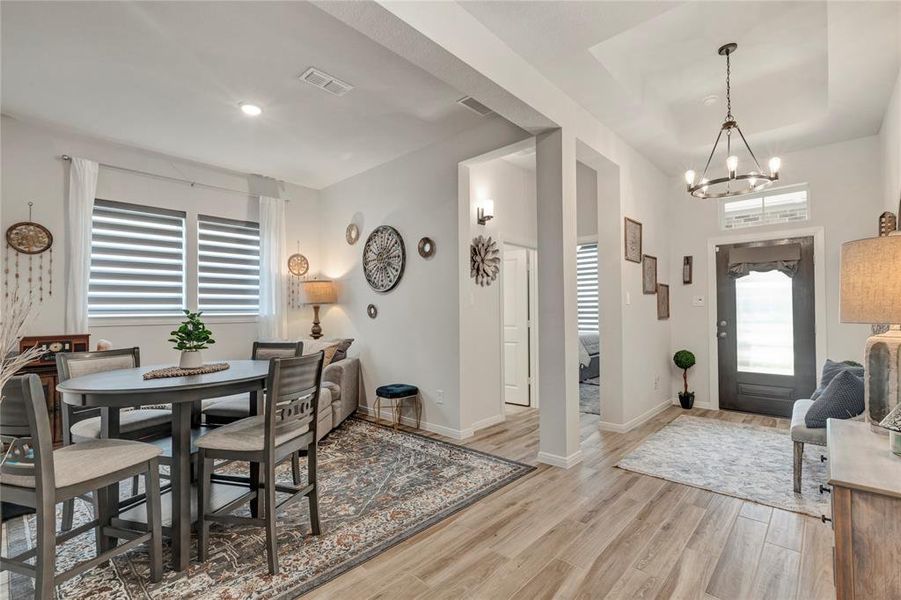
pixel 589 336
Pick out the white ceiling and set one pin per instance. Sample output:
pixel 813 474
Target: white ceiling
pixel 168 77
pixel 805 74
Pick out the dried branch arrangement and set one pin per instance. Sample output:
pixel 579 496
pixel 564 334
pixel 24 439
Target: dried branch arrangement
pixel 17 314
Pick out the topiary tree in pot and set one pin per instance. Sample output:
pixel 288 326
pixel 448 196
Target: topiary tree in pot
pixel 685 360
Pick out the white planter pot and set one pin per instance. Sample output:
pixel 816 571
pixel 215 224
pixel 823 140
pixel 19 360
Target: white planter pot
pixel 191 360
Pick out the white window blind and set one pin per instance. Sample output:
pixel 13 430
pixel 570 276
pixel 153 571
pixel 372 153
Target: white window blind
pixel 587 287
pixel 137 261
pixel 228 266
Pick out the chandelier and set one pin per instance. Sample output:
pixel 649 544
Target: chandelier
pixel 734 183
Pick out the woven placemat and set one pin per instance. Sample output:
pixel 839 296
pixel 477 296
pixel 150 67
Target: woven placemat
pixel 179 372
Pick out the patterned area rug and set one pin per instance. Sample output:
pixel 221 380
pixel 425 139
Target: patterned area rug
pixel 378 488
pixel 745 461
pixel 590 396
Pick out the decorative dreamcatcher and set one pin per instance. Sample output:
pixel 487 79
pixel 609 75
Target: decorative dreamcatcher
pixel 298 266
pixel 384 258
pixel 484 260
pixel 29 239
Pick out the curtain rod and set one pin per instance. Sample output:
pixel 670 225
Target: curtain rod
pixel 187 182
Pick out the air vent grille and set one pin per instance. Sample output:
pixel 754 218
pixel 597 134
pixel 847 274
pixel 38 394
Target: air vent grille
pixel 324 81
pixel 475 106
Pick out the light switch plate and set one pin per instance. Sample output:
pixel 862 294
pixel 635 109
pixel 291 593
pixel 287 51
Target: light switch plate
pixel 628 298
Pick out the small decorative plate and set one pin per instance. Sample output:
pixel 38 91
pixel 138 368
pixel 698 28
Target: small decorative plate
pixel 426 247
pixel 372 311
pixel 29 238
pixel 298 265
pixel 352 234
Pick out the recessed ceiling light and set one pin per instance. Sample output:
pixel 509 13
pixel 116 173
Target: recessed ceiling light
pixel 251 110
pixel 711 100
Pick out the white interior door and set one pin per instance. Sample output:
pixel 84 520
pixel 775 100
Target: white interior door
pixel 516 325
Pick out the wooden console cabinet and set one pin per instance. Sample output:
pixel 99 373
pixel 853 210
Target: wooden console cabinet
pixel 45 368
pixel 866 512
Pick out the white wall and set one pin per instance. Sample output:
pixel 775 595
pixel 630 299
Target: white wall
pixel 846 207
pixel 890 141
pixel 481 341
pixel 586 203
pixel 416 337
pixel 33 171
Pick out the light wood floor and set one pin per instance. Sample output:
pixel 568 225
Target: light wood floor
pixel 595 531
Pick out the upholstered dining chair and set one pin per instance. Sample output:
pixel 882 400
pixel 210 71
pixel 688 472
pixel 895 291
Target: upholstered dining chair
pixel 32 474
pixel 288 426
pixel 83 424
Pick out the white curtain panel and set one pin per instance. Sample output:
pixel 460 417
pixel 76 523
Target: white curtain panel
pixel 273 320
pixel 80 206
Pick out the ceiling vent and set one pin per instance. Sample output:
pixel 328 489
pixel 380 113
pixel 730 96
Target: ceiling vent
pixel 475 106
pixel 324 81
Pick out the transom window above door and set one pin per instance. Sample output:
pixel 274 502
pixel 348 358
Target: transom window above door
pixel 784 205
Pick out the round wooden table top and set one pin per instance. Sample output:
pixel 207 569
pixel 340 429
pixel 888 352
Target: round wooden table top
pixel 125 381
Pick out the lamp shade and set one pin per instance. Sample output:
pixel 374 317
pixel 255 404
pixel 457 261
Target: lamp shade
pixel 319 291
pixel 871 280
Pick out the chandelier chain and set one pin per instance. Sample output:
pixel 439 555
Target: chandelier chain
pixel 729 116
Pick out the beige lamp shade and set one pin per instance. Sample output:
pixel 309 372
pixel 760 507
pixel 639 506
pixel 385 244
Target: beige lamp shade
pixel 319 291
pixel 871 280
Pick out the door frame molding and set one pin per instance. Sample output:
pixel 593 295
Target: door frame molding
pixel 819 290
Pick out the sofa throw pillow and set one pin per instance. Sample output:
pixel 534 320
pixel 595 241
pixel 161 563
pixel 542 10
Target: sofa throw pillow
pixel 329 348
pixel 833 368
pixel 842 399
pixel 343 345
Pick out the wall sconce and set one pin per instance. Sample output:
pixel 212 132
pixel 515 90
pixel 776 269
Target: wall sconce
pixel 485 211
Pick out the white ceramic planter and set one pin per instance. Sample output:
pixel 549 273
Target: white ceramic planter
pixel 191 360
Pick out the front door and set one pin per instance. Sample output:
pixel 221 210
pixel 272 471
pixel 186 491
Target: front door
pixel 765 325
pixel 516 325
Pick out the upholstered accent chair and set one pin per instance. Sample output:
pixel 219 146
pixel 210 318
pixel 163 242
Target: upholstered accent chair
pixel 36 476
pixel 287 427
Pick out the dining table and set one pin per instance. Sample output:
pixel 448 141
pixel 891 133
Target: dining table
pixel 112 391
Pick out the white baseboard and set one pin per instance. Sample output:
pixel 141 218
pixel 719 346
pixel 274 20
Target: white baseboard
pixel 488 422
pixel 705 405
pixel 633 423
pixel 560 461
pixel 387 415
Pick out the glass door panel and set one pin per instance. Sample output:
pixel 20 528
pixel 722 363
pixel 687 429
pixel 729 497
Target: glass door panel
pixel 764 325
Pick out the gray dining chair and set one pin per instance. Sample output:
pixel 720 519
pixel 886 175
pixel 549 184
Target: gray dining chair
pixel 288 425
pixel 222 411
pixel 83 424
pixel 32 474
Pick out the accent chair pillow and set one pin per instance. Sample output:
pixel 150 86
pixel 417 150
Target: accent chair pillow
pixel 833 368
pixel 842 399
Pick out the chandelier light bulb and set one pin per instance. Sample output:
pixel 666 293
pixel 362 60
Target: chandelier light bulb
pixel 689 177
pixel 732 165
pixel 753 180
pixel 775 165
pixel 704 184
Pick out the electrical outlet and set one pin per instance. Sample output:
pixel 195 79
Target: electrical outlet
pixel 439 396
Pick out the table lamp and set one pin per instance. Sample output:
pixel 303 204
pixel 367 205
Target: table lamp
pixel 318 292
pixel 871 293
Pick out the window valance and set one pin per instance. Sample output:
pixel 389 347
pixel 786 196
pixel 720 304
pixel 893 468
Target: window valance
pixel 782 257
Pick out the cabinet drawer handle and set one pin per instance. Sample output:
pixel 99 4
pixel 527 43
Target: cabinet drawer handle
pixel 824 489
pixel 825 519
pixel 823 458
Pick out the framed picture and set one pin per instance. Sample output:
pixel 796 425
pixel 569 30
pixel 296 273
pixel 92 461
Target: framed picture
pixel 649 274
pixel 632 235
pixel 662 301
pixel 687 269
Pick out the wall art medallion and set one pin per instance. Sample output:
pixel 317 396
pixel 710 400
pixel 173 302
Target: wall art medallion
pixel 384 258
pixel 426 247
pixel 31 240
pixel 649 274
pixel 484 260
pixel 662 301
pixel 632 240
pixel 372 311
pixel 352 234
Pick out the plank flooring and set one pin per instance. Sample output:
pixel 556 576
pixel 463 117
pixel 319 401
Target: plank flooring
pixel 595 531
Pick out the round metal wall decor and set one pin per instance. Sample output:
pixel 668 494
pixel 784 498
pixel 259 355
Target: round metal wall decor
pixel 352 234
pixel 426 247
pixel 372 311
pixel 298 265
pixel 384 258
pixel 29 238
pixel 484 260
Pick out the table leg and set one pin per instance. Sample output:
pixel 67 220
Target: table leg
pixel 181 485
pixel 256 408
pixel 108 504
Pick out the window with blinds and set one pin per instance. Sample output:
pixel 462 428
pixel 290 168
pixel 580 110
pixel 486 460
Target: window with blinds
pixel 587 287
pixel 137 261
pixel 228 266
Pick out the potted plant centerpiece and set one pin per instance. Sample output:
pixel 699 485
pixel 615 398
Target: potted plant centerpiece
pixel 685 360
pixel 191 337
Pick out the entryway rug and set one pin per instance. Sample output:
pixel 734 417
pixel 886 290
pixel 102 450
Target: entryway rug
pixel 590 396
pixel 745 461
pixel 378 488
